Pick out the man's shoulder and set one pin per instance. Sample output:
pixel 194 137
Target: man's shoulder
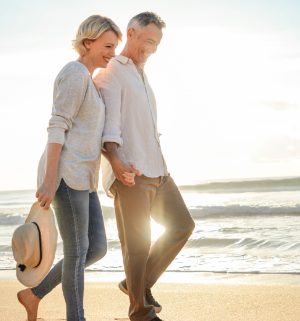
pixel 121 60
pixel 115 67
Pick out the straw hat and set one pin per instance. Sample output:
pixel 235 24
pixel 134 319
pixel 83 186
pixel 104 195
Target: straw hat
pixel 34 245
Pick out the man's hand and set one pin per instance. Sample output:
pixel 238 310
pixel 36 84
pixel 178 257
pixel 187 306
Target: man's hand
pixel 124 173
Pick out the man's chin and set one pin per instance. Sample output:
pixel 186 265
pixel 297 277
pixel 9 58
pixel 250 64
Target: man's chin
pixel 143 61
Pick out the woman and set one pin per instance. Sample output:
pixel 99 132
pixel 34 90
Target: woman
pixel 68 169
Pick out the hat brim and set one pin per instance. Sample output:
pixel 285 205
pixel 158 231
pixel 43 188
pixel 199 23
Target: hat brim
pixel 31 277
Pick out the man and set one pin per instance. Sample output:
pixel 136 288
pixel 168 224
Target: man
pixel 131 144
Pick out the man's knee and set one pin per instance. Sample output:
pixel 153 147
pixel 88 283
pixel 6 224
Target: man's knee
pixel 188 228
pixel 184 229
pixel 191 226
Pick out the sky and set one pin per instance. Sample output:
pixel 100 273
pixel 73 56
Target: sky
pixel 226 77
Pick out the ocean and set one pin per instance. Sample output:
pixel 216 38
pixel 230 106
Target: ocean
pixel 245 226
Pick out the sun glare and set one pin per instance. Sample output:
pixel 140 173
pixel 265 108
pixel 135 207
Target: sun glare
pixel 156 230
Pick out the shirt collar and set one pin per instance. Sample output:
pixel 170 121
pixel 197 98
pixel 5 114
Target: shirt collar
pixel 122 59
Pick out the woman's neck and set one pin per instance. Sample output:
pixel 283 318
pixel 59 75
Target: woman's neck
pixel 87 63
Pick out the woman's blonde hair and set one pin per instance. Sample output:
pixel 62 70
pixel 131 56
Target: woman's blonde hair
pixel 91 29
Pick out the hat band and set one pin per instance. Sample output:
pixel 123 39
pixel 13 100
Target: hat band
pixel 40 243
pixel 22 267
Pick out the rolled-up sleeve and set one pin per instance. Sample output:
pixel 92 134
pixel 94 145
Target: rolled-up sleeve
pixel 69 92
pixel 111 91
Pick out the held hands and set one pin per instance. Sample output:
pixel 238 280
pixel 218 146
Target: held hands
pixel 124 173
pixel 45 193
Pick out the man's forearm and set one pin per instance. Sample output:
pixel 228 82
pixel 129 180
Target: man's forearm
pixel 123 172
pixel 111 151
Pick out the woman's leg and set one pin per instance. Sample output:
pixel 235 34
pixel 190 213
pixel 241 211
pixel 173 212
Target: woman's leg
pixel 72 213
pixel 97 247
pixel 97 250
pixel 97 236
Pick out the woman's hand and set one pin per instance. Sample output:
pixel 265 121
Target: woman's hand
pixel 124 173
pixel 46 192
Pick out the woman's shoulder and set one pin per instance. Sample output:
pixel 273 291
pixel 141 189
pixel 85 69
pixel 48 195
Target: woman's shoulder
pixel 73 69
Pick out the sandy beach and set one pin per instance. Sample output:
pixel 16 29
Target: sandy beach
pixel 223 299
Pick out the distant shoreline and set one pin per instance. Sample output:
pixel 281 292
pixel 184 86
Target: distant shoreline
pixel 221 185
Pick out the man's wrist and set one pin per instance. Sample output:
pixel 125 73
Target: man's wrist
pixel 114 159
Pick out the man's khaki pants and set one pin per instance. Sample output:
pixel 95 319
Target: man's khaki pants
pixel 160 199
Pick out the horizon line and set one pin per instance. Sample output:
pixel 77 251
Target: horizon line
pixel 200 182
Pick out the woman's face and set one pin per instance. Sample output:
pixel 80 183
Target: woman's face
pixel 101 50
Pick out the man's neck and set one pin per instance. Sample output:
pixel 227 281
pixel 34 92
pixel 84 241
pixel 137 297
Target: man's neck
pixel 139 66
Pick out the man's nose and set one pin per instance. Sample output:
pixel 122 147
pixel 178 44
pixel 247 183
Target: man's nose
pixel 151 50
pixel 154 48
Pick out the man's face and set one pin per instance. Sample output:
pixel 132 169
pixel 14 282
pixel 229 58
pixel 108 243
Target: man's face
pixel 144 41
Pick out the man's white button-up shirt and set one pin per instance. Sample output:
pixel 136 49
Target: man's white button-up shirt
pixel 130 119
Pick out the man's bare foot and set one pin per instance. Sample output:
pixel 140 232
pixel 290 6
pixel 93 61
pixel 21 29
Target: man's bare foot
pixel 30 302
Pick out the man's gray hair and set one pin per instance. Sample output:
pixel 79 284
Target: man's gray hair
pixel 143 19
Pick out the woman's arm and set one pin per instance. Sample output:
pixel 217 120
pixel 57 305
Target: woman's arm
pixel 69 92
pixel 46 191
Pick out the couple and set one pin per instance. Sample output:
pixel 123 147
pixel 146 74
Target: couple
pixel 114 113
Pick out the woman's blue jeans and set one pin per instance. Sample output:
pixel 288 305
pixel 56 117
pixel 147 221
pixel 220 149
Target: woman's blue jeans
pixel 81 226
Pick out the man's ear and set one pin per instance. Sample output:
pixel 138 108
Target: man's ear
pixel 130 33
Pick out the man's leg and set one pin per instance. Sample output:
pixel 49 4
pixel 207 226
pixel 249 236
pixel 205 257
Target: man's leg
pixel 132 207
pixel 169 210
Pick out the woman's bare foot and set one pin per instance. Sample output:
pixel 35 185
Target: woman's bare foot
pixel 30 302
